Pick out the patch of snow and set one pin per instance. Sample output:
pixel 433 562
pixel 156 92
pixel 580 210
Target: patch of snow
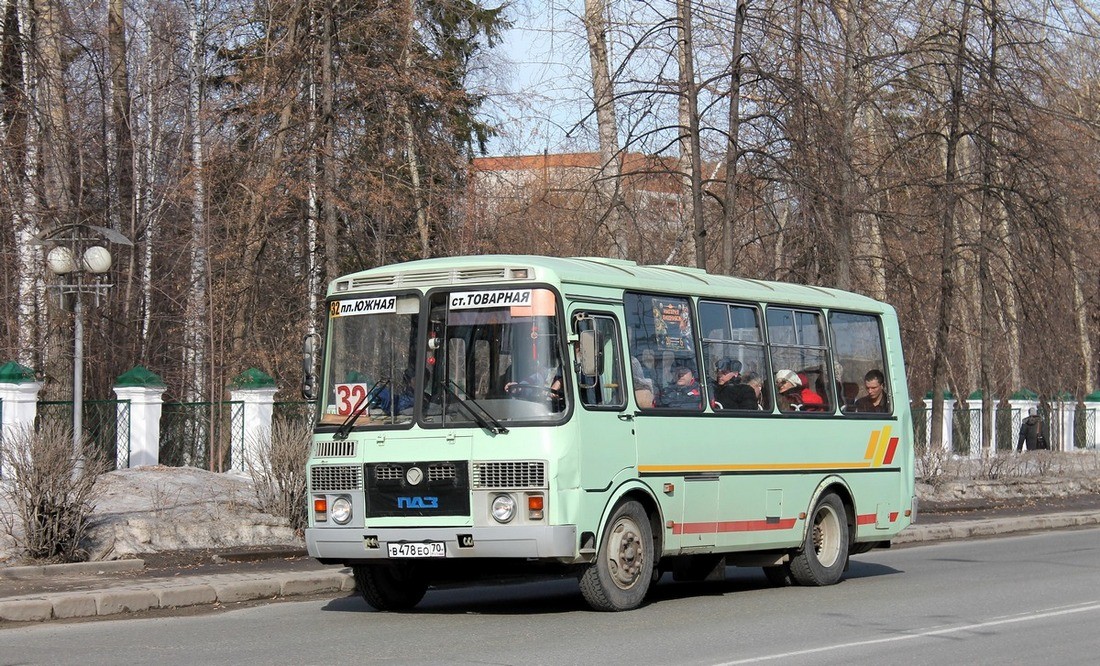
pixel 151 509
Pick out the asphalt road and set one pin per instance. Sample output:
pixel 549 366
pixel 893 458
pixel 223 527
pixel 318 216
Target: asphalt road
pixel 1020 600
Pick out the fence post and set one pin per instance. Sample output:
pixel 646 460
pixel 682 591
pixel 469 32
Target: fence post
pixel 1068 409
pixel 19 401
pixel 948 419
pixel 256 391
pixel 144 389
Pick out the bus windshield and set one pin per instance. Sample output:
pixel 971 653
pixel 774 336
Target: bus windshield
pixel 495 357
pixel 371 361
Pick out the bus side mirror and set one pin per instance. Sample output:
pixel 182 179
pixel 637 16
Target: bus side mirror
pixel 309 379
pixel 590 353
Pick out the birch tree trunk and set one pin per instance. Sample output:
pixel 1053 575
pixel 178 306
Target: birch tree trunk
pixel 607 181
pixel 22 174
pixel 194 348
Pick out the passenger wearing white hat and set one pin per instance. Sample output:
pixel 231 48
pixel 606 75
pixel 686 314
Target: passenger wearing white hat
pixel 788 386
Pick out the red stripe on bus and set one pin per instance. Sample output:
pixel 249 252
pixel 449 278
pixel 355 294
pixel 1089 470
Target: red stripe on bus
pixel 889 457
pixel 732 526
pixel 869 518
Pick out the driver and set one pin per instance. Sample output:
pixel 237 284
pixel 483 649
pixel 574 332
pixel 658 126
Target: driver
pixel 547 379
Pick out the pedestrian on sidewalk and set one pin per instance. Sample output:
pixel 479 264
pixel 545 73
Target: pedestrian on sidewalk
pixel 1032 433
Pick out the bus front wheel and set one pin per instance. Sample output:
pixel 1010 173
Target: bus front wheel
pixel 391 587
pixel 620 577
pixel 824 553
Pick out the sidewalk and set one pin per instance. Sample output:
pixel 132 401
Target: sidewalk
pixel 95 589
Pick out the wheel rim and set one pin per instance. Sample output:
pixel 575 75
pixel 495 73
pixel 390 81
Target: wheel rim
pixel 625 553
pixel 826 536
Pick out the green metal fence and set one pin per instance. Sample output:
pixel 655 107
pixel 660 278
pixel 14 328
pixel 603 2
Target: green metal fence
pixel 106 425
pixel 200 434
pixel 300 411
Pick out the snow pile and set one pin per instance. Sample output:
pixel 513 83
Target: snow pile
pixel 152 509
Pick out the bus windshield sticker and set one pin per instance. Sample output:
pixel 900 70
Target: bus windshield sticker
pixel 672 323
pixel 362 306
pixel 465 300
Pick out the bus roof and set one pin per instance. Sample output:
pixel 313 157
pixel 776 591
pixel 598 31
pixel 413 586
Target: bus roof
pixel 597 272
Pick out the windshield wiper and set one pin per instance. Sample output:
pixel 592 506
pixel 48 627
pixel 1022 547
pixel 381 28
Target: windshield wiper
pixel 371 396
pixel 485 419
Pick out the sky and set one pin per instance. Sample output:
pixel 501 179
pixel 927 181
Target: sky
pixel 542 80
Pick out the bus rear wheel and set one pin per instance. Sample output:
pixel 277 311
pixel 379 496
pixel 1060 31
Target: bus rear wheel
pixel 620 577
pixel 391 587
pixel 824 553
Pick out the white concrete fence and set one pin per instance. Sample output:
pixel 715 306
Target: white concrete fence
pixel 1065 427
pixel 144 391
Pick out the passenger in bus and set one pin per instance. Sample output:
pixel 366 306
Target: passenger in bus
pixel 811 399
pixel 876 399
pixel 398 401
pixel 788 389
pixel 756 383
pixel 643 386
pixel 684 392
pixel 729 391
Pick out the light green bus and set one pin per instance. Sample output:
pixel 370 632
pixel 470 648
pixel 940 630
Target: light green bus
pixel 494 415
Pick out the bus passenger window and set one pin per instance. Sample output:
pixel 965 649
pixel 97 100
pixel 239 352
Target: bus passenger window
pixel 799 355
pixel 660 332
pixel 860 363
pixel 734 359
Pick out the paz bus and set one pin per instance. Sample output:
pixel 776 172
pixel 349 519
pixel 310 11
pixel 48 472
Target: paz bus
pixel 487 416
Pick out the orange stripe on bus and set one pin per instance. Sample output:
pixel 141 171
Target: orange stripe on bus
pixel 871 444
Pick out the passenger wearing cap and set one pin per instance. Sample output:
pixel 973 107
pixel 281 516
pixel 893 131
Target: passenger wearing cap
pixel 729 391
pixel 684 392
pixel 789 389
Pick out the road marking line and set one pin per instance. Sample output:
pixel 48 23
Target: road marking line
pixel 1038 615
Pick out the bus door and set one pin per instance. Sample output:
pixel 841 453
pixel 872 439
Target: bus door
pixel 607 439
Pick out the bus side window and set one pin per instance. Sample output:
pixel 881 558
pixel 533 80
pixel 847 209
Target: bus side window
pixel 860 363
pixel 605 388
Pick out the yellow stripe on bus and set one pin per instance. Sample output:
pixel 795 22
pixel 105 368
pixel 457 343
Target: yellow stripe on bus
pixel 880 450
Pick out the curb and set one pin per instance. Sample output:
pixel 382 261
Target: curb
pixel 73 569
pixel 176 593
pixel 919 533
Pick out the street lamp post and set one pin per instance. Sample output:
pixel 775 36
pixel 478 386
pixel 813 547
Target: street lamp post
pixel 78 258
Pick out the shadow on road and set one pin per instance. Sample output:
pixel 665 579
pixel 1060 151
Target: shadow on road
pixel 563 596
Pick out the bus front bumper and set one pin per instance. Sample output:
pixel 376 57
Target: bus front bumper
pixel 507 541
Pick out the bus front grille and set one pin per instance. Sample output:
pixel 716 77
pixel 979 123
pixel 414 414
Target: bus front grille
pixel 510 474
pixel 327 478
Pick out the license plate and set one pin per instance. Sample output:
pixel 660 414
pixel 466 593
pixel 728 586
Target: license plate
pixel 417 549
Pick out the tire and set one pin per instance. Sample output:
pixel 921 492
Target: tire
pixel 391 587
pixel 824 554
pixel 621 575
pixel 778 575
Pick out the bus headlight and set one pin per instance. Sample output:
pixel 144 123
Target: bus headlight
pixel 504 508
pixel 341 510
